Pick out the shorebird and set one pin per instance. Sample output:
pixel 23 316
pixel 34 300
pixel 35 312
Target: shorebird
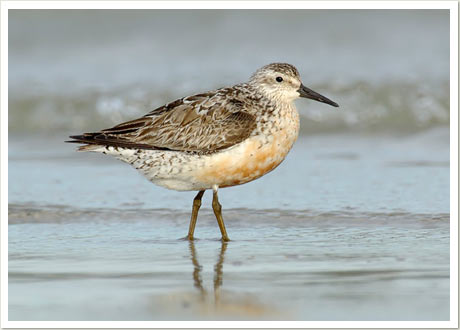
pixel 221 138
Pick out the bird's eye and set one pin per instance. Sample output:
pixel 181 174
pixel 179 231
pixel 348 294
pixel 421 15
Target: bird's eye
pixel 279 79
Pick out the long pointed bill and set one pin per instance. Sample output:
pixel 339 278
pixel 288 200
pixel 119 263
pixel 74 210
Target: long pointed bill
pixel 309 94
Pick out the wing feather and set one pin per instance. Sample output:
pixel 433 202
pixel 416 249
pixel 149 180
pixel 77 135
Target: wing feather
pixel 200 123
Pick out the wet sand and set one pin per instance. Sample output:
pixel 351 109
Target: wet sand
pixel 345 229
pixel 278 266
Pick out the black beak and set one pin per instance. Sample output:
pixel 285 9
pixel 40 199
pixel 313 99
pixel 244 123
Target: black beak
pixel 309 94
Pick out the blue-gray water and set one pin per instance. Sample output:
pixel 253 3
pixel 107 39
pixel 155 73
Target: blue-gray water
pixel 346 228
pixel 74 70
pixel 354 225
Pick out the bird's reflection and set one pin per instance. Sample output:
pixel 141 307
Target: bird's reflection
pixel 218 271
pixel 223 304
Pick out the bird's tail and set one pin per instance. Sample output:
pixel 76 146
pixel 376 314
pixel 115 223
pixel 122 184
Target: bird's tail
pixel 90 144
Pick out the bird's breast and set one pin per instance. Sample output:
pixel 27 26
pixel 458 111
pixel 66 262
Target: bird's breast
pixel 252 158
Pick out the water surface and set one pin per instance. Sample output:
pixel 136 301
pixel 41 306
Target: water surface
pixel 326 236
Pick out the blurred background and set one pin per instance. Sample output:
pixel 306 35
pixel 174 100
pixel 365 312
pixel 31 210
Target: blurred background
pixel 88 69
pixel 353 225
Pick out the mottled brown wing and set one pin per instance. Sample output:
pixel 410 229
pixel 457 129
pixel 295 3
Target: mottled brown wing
pixel 199 123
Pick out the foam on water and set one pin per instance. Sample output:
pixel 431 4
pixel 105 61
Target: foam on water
pixel 84 70
pixel 387 107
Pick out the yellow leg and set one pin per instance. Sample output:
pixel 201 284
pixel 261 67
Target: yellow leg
pixel 218 213
pixel 196 207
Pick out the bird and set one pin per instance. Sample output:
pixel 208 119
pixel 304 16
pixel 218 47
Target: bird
pixel 216 139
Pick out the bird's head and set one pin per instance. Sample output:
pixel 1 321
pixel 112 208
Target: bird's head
pixel 281 81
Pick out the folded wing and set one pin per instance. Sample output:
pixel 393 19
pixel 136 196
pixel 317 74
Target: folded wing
pixel 200 123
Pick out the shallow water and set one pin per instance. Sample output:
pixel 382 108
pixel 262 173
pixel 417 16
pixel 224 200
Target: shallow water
pixel 278 266
pixel 347 228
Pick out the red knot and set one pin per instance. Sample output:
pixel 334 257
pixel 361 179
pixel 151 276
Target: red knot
pixel 217 139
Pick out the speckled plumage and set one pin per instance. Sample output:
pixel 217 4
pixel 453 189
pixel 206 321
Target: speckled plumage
pixel 220 138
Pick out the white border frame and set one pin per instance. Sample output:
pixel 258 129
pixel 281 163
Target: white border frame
pixel 452 6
